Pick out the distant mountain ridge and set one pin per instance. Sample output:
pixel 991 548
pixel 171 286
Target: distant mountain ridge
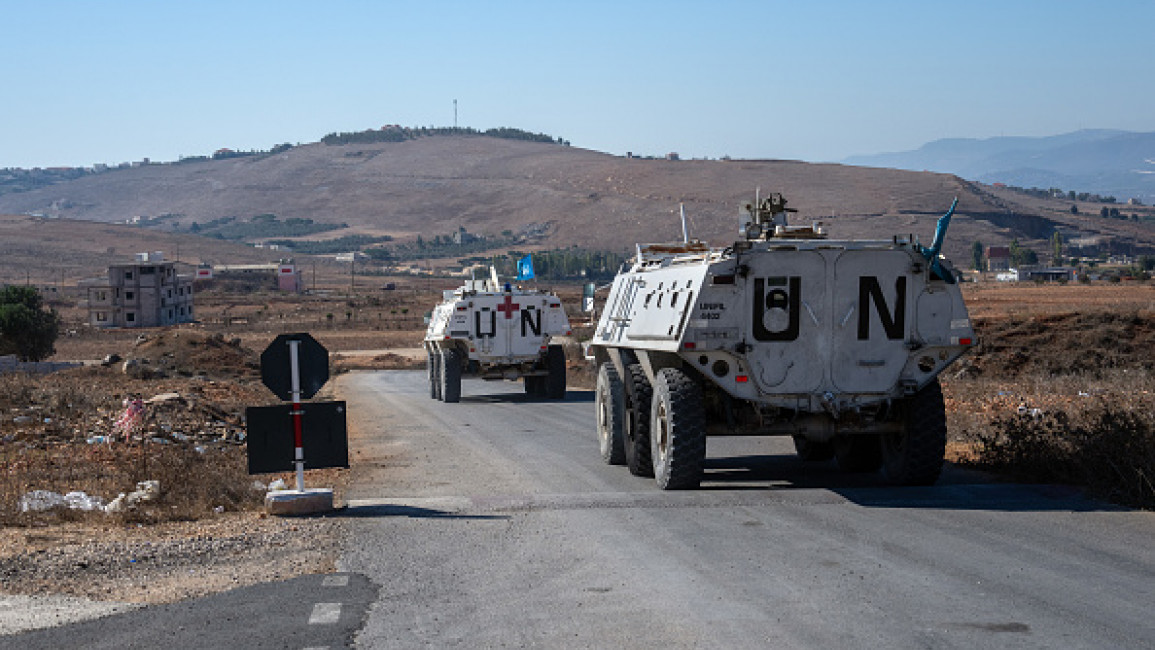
pixel 1103 161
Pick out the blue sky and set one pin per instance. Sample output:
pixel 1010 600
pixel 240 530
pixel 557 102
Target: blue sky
pixel 116 81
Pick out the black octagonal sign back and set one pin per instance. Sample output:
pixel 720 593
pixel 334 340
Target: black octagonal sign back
pixel 312 364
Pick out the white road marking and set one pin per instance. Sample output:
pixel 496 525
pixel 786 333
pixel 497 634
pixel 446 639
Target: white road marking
pixel 335 581
pixel 325 614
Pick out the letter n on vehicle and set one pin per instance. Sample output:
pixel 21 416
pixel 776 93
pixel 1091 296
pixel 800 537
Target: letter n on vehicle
pixel 528 322
pixel 870 291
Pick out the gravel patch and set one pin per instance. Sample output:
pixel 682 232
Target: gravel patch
pixel 59 574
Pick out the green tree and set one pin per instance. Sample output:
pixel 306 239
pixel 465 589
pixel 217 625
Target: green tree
pixel 977 256
pixel 1057 246
pixel 26 328
pixel 1021 256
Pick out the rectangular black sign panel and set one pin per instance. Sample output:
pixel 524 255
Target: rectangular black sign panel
pixel 270 437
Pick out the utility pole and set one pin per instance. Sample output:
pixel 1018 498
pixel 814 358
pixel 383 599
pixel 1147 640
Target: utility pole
pixel 455 114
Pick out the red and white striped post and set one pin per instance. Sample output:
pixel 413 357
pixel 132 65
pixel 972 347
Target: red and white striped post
pixel 295 389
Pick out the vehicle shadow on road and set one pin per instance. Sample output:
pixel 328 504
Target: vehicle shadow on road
pixel 957 489
pixel 571 396
pixel 411 512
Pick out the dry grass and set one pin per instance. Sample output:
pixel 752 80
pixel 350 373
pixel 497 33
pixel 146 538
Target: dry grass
pixel 1064 398
pixel 53 430
pixel 1101 446
pixel 194 484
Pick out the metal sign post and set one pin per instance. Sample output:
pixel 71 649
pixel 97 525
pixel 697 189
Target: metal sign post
pixel 295 367
pixel 298 443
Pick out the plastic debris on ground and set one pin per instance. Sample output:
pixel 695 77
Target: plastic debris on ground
pixel 40 500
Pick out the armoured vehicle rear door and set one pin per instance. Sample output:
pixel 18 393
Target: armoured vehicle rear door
pixel 873 300
pixel 788 316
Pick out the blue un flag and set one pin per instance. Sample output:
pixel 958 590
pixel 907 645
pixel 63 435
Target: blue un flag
pixel 525 268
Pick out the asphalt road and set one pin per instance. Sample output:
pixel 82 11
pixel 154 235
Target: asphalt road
pixel 494 523
pixel 314 611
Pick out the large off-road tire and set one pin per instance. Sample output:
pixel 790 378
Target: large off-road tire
pixel 677 431
pixel 610 401
pixel 811 451
pixel 535 386
pixel 555 365
pixel 451 376
pixel 914 456
pixel 436 373
pixel 636 442
pixel 858 453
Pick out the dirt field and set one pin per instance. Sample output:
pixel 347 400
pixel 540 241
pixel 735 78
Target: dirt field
pixel 995 300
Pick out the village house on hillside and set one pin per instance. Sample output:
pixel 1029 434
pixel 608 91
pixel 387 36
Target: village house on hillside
pixel 998 258
pixel 144 293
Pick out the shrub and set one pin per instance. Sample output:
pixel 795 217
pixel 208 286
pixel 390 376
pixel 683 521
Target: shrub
pixel 1106 449
pixel 26 328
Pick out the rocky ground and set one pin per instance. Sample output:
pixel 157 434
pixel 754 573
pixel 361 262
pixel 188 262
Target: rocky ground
pixel 165 562
pixel 205 532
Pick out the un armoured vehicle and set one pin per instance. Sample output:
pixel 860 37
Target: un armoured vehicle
pixel 496 332
pixel 837 343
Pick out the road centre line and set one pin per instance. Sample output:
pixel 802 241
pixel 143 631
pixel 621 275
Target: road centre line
pixel 335 581
pixel 325 614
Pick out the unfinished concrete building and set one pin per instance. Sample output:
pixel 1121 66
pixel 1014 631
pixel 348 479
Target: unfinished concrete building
pixel 144 293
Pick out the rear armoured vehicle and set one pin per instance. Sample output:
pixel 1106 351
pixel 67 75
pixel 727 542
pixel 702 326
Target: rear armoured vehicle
pixel 837 343
pixel 492 331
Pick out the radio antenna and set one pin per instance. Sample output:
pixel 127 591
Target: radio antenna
pixel 685 233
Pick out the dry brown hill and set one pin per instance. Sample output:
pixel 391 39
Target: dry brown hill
pixel 48 252
pixel 434 185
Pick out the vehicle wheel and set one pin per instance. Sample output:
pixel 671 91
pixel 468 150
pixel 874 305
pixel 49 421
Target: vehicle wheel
pixel 555 365
pixel 431 371
pixel 914 456
pixel 678 431
pixel 811 451
pixel 610 398
pixel 858 453
pixel 534 385
pixel 451 376
pixel 637 435
pixel 436 388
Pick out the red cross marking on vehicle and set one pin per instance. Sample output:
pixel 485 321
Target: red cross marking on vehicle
pixel 508 307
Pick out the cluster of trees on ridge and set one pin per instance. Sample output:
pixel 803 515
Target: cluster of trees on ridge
pixel 1056 193
pixel 564 264
pixel 394 133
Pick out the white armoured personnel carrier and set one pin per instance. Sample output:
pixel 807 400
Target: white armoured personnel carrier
pixel 837 343
pixel 496 332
